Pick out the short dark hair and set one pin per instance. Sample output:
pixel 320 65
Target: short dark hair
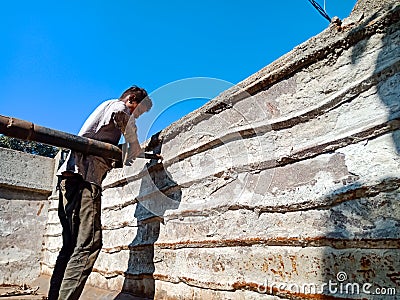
pixel 141 96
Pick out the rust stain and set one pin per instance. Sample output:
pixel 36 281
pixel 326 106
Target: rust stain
pixel 273 110
pixel 281 263
pixel 265 265
pixel 394 277
pixel 294 264
pixel 218 267
pixel 114 249
pixel 40 209
pixel 163 277
pixel 365 262
pixel 195 282
pixel 274 271
pixel 281 267
pixel 283 241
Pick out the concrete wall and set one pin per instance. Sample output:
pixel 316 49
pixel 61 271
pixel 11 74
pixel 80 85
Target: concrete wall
pixel 26 182
pixel 290 178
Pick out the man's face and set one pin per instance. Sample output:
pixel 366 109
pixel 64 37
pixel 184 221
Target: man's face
pixel 136 109
pixel 139 110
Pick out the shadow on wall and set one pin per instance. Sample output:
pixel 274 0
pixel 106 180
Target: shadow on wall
pixel 387 87
pixel 158 193
pixel 366 221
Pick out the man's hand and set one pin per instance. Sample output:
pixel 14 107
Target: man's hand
pixel 131 154
pixel 129 162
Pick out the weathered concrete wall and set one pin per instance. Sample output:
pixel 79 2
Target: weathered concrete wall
pixel 26 182
pixel 289 179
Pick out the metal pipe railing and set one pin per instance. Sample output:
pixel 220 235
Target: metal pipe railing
pixel 28 131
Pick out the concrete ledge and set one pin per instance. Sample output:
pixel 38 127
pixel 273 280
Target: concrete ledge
pixel 26 182
pixel 24 171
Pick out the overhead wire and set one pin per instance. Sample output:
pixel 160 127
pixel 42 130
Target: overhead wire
pixel 320 9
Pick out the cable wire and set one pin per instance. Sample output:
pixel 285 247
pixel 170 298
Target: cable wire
pixel 320 9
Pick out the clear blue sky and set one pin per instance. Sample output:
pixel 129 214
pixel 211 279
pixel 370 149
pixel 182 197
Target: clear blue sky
pixel 60 59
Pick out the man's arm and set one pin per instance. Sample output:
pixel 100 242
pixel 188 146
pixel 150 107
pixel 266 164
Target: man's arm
pixel 126 124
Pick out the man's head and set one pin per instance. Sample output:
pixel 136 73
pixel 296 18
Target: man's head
pixel 137 100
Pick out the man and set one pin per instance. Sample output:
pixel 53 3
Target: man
pixel 79 187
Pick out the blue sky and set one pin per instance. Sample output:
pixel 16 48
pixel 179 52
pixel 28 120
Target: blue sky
pixel 60 59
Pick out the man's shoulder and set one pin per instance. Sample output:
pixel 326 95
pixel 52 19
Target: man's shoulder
pixel 116 105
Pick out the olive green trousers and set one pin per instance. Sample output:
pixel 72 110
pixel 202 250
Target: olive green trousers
pixel 79 211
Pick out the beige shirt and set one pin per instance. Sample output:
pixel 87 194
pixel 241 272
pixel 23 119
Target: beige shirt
pixel 106 123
